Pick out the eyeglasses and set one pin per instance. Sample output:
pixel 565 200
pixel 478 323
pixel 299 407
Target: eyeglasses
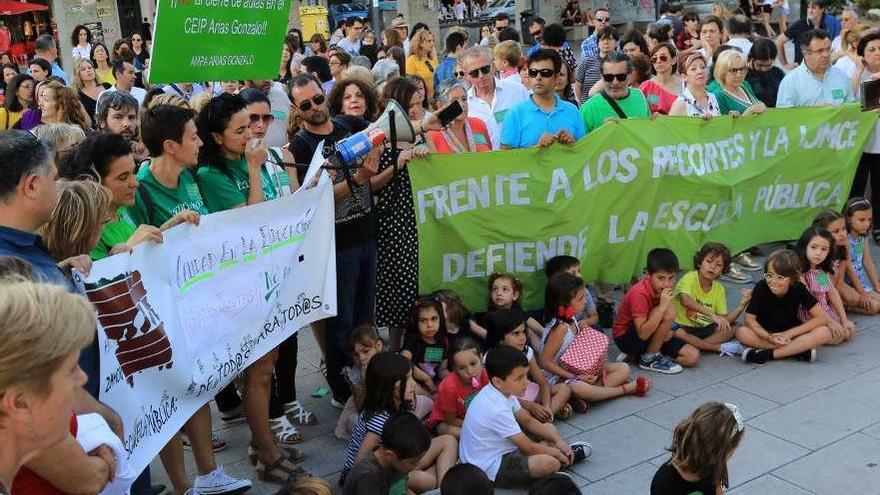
pixel 691 19
pixel 737 416
pixel 659 58
pixel 545 73
pixel 482 70
pixel 610 77
pixel 318 100
pixel 459 74
pixel 737 70
pixel 774 277
pixel 820 51
pixel 603 19
pixel 267 118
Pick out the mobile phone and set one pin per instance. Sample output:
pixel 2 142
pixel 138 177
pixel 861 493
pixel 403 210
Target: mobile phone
pixel 448 114
pixel 870 94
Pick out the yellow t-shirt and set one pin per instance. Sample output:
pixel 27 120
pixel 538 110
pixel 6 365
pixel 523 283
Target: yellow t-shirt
pixel 715 299
pixel 106 76
pixel 8 119
pixel 418 67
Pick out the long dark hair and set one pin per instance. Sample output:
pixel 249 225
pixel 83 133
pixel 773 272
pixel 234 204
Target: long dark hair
pixel 214 118
pixel 74 37
pixel 703 442
pixel 561 289
pixel 12 104
pixel 427 302
pixel 824 220
pixel 400 90
pixel 385 370
pixel 802 243
pixel 338 92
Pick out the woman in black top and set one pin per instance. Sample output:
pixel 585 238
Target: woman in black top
pixel 88 87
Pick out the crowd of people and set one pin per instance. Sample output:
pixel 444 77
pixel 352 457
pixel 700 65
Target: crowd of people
pixel 99 160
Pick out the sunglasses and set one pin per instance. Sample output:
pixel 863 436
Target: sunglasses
pixel 267 118
pixel 610 77
pixel 459 74
pixel 659 58
pixel 482 70
pixel 545 73
pixel 603 19
pixel 307 105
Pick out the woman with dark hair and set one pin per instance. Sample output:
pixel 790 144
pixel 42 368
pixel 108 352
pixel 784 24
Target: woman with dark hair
pixel 8 72
pixel 662 89
pixel 81 40
pixel 284 73
pixel 40 70
pixel 320 68
pixel 763 75
pixel 101 61
pixel 688 40
pixel 233 174
pixel 339 61
pixel 396 53
pixel 58 104
pixel 319 45
pixel 711 35
pixel 19 97
pixel 354 97
pixel 633 43
pixel 122 51
pixel 658 33
pixel 140 52
pixel 397 239
pixel 390 37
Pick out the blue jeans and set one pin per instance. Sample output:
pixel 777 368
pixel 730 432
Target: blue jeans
pixel 355 304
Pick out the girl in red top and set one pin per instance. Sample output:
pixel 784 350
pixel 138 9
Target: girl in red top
pixel 455 392
pixel 464 134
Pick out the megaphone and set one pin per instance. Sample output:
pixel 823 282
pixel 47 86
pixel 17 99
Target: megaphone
pixel 393 124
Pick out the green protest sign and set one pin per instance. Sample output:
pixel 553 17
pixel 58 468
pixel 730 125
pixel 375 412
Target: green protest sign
pixel 217 40
pixel 629 187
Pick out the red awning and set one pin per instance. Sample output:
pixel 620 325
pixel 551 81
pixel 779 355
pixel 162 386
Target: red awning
pixel 9 7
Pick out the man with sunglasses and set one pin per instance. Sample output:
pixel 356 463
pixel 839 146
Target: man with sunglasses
pixel 590 45
pixel 501 22
pixel 489 99
pixel 280 104
pixel 544 118
pixel 618 100
pixel 455 44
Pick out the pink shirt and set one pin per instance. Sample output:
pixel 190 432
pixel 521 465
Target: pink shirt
pixel 659 100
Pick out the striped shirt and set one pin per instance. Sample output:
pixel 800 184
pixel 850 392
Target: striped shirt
pixel 363 426
pixel 588 73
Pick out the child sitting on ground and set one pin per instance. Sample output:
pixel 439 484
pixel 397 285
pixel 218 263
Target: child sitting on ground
pixel 459 322
pixel 773 329
pixel 425 344
pixel 505 292
pixel 701 303
pixel 541 400
pixel 572 265
pixel 860 272
pixel 701 446
pixel 565 297
pixel 458 389
pixel 643 327
pixel 365 343
pixel 390 389
pixel 815 250
pixel 492 436
pixel 834 222
pixel 403 443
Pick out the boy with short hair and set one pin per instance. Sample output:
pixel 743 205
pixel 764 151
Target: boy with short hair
pixel 492 436
pixel 701 303
pixel 643 326
pixel 404 441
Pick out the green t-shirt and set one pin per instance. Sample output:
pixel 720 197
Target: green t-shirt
pixel 166 202
pixel 223 190
pixel 728 103
pixel 115 232
pixel 596 109
pixel 715 299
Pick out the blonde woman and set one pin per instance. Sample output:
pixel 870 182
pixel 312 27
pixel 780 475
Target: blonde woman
pixel 44 328
pixel 63 137
pixel 84 207
pixel 734 95
pixel 88 87
pixel 422 59
pixel 57 103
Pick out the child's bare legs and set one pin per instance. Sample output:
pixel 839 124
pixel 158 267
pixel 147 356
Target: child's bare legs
pixel 712 343
pixel 541 465
pixel 815 338
pixel 783 20
pixel 767 28
pixel 662 334
pixel 446 429
pixel 852 300
pixel 559 395
pixel 440 457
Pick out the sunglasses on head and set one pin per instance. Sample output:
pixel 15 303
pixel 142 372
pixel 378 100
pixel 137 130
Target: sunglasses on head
pixel 545 73
pixel 267 118
pixel 610 77
pixel 307 105
pixel 476 72
pixel 659 58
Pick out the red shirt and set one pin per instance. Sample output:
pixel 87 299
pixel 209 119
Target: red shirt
pixel 29 483
pixel 637 303
pixel 453 396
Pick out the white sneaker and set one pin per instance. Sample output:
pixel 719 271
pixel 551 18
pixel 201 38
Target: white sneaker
pixel 335 403
pixel 732 348
pixel 622 357
pixel 217 482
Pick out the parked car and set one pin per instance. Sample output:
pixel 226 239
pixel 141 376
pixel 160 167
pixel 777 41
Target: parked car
pixel 500 7
pixel 340 11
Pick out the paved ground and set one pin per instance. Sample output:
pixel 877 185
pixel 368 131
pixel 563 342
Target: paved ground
pixel 811 428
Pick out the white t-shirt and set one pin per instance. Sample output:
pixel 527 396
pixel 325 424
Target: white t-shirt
pixel 487 428
pixel 353 48
pixel 507 94
pixel 459 9
pixel 742 43
pixel 846 65
pixel 82 52
pixel 276 135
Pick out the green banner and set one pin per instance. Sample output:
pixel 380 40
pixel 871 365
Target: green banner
pixel 629 187
pixel 217 40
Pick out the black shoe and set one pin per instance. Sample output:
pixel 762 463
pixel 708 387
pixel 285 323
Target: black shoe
pixel 807 356
pixel 754 356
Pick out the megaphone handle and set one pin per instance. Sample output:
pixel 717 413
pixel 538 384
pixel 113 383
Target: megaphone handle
pixel 392 131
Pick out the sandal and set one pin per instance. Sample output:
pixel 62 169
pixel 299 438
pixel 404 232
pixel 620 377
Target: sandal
pixel 281 472
pixel 284 433
pixel 299 414
pixel 564 412
pixel 579 406
pixel 643 385
pixel 217 443
pixel 292 454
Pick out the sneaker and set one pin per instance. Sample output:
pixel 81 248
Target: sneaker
pixel 335 403
pixel 745 261
pixel 732 348
pixel 660 364
pixel 736 275
pixel 217 482
pixel 581 450
pixel 754 356
pixel 808 356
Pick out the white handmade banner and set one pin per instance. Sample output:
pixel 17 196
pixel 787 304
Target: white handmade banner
pixel 178 321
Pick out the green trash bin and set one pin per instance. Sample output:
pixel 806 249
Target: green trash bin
pixel 314 20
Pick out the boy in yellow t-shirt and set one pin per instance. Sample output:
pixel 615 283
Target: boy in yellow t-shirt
pixel 701 303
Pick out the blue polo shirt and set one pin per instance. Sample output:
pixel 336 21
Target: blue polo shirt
pixel 526 122
pixel 30 247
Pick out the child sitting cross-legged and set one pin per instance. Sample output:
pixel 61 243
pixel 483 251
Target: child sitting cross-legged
pixel 458 389
pixel 364 343
pixel 384 471
pixel 701 303
pixel 643 327
pixel 492 436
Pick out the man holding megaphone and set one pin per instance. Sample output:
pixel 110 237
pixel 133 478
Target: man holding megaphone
pixel 347 141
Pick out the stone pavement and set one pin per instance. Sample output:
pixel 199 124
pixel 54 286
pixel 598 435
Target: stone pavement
pixel 811 428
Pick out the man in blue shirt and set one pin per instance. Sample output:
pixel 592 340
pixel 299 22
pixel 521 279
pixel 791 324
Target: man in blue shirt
pixel 455 43
pixel 544 118
pixel 46 49
pixel 816 18
pixel 590 45
pixel 815 82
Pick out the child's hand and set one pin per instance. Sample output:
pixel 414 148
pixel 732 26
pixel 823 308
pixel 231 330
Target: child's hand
pixel 591 379
pixel 837 330
pixel 723 324
pixel 557 452
pixel 849 325
pixel 666 296
pixel 746 295
pixel 780 339
pixel 541 413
